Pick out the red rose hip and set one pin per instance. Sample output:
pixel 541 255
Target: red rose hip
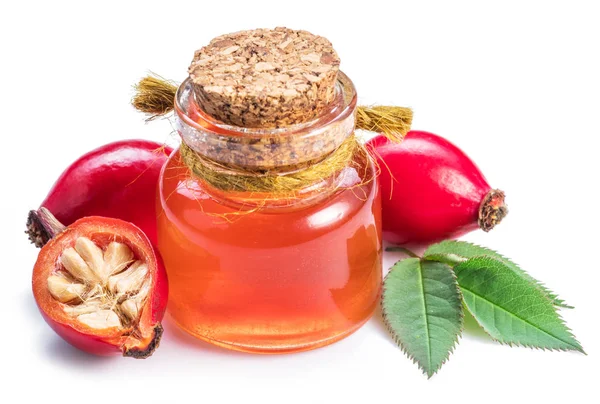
pixel 432 191
pixel 115 180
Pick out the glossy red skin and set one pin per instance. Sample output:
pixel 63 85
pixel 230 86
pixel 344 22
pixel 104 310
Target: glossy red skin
pixel 116 180
pixel 97 345
pixel 436 191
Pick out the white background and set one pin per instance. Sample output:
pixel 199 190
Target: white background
pixel 515 84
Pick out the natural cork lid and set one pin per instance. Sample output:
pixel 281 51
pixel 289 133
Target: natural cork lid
pixel 265 78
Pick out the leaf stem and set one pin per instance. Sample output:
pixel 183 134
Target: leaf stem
pixel 402 250
pixel 449 259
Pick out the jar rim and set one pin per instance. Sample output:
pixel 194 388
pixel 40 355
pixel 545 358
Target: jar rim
pixel 343 105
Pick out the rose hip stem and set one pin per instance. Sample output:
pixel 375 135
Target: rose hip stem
pixel 42 226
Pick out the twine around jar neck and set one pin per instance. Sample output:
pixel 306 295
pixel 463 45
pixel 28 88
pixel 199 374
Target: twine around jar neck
pixel 155 96
pixel 285 181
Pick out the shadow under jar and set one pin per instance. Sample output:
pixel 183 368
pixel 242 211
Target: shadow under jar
pixel 255 272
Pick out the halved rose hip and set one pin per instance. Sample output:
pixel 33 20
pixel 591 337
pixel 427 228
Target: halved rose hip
pixel 102 288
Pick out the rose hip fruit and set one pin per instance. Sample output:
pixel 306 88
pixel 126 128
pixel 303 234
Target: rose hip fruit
pixel 100 286
pixel 116 180
pixel 431 190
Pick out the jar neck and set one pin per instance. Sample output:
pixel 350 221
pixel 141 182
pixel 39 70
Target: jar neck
pixel 313 194
pixel 266 149
pixel 359 173
pixel 280 167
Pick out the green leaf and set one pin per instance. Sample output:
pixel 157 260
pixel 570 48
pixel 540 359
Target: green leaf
pixel 510 308
pixel 422 309
pixel 453 252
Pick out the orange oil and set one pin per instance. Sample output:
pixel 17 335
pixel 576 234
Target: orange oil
pixel 274 279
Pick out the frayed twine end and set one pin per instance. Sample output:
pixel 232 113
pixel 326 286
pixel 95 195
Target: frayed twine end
pixel 391 121
pixel 154 96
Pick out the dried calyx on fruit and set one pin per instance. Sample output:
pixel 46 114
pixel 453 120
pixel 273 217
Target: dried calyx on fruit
pixel 100 286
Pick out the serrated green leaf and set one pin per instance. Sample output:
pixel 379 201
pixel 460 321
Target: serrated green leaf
pixel 510 308
pixel 422 308
pixel 453 252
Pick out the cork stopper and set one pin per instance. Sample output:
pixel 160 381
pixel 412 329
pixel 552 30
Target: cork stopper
pixel 265 78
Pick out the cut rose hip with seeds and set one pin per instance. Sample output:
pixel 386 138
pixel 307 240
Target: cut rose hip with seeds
pixel 100 286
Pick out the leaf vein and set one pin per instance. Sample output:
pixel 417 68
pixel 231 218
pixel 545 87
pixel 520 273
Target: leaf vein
pixel 495 305
pixel 422 284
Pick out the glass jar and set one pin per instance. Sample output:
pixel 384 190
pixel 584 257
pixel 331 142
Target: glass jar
pixel 255 272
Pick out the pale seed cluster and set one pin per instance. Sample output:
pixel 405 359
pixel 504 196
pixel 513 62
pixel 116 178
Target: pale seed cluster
pixel 101 289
